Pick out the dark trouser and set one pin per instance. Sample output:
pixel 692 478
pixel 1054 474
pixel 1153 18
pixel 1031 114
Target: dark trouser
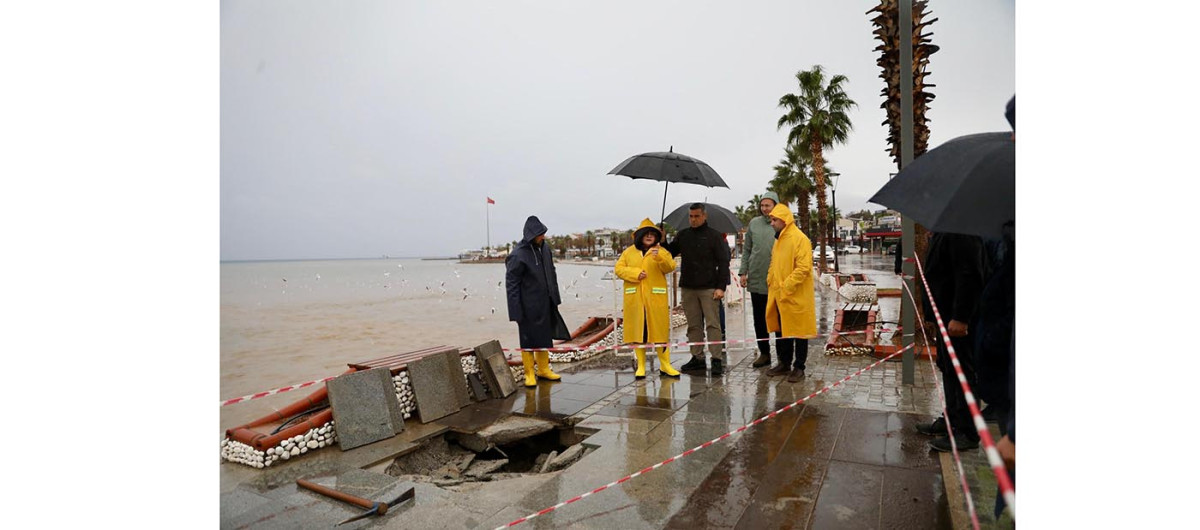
pixel 759 301
pixel 957 412
pixel 789 348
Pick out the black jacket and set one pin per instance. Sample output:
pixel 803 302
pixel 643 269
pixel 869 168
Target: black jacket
pixel 705 257
pixel 532 288
pixel 954 269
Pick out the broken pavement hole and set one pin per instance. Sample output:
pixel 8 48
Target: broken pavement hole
pixel 446 461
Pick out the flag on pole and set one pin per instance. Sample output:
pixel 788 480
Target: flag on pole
pixel 490 201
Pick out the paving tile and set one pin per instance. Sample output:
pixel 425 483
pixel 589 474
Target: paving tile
pixel 365 408
pixel 719 500
pixel 580 392
pixel 787 494
pixel 849 497
pixel 640 413
pixel 914 499
pixel 438 388
pixel 494 366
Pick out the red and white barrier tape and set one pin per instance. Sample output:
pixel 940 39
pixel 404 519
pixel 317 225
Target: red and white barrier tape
pixel 276 391
pixel 989 447
pixel 704 445
pixel 962 477
pixel 552 350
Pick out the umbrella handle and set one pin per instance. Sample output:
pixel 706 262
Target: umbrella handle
pixel 662 217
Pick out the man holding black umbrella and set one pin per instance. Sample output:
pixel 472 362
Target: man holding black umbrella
pixel 703 277
pixel 954 270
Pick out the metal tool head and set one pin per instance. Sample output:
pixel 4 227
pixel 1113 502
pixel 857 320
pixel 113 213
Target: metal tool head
pixel 381 508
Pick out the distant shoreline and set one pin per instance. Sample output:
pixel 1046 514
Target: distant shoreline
pixel 382 258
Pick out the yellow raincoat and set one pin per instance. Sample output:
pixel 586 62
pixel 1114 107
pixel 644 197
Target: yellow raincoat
pixel 790 298
pixel 646 299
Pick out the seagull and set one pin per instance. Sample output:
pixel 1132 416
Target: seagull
pixel 443 283
pixel 576 296
pixel 493 310
pixel 400 265
pixel 584 275
pixel 386 274
pixel 318 276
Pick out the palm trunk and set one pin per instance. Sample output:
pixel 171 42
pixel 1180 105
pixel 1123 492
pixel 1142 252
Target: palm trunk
pixel 805 216
pixel 819 168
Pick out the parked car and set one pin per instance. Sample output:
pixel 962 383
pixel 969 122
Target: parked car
pixel 851 249
pixel 817 253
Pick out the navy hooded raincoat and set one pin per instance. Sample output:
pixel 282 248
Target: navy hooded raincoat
pixel 532 288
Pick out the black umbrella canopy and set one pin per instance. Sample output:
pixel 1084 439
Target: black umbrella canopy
pixel 669 167
pixel 719 218
pixel 964 186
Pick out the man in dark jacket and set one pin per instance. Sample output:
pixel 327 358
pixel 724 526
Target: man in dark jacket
pixel 533 300
pixel 954 270
pixel 703 278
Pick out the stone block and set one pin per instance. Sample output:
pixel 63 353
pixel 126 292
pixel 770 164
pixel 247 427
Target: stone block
pixel 365 408
pixel 475 382
pixel 438 385
pixel 494 367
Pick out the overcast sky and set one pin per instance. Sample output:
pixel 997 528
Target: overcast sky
pixel 363 128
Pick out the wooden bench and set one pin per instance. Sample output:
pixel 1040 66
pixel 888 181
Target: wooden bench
pixel 854 316
pixel 398 362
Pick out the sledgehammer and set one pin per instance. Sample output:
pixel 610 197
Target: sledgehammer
pixel 373 508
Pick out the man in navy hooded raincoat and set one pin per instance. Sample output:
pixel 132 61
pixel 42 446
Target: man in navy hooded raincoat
pixel 532 287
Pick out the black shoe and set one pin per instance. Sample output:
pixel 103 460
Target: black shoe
pixel 718 367
pixel 761 361
pixel 696 364
pixel 991 415
pixel 942 444
pixel 795 375
pixel 937 428
pixel 778 369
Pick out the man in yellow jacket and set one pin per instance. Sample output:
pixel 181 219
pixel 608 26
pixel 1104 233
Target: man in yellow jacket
pixel 647 317
pixel 791 304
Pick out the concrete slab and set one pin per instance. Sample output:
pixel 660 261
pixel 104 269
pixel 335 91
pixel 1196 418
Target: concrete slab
pixel 438 388
pixel 494 367
pixel 365 408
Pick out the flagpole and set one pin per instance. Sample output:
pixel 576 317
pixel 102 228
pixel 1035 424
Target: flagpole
pixel 488 252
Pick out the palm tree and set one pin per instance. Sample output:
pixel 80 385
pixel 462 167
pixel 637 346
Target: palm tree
pixel 746 213
pixel 793 180
pixel 819 118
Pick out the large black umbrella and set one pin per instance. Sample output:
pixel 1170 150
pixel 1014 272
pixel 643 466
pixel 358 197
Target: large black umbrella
pixel 719 218
pixel 964 186
pixel 669 167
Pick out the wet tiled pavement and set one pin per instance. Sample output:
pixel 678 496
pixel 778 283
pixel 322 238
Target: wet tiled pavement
pixel 848 458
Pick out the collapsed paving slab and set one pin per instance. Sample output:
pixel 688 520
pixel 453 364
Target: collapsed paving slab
pixel 568 457
pixel 505 431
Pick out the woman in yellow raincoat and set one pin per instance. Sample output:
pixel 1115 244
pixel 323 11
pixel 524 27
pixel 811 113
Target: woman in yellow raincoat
pixel 644 266
pixel 791 306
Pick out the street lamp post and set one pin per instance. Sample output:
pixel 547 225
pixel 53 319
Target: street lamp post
pixel 833 191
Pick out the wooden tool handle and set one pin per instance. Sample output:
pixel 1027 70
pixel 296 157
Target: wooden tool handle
pixel 344 497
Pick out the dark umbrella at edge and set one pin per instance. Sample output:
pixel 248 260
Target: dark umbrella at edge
pixel 966 186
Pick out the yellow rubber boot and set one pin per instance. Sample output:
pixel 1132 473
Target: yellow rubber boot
pixel 543 367
pixel 664 363
pixel 527 360
pixel 640 353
